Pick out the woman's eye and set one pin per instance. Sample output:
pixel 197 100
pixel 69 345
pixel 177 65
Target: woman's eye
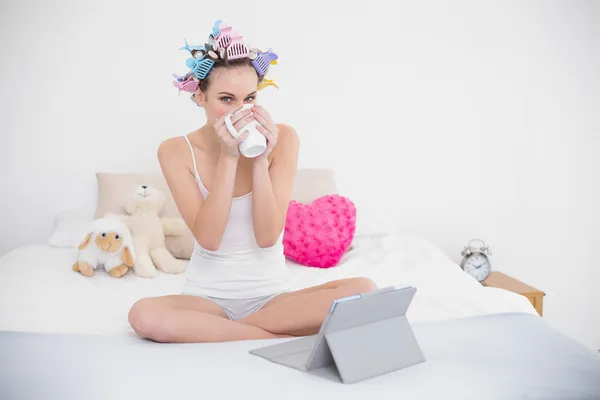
pixel 251 98
pixel 225 99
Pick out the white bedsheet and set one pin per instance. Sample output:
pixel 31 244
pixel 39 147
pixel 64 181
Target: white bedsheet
pixel 40 293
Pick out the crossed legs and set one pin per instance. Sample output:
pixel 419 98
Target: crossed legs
pixel 185 319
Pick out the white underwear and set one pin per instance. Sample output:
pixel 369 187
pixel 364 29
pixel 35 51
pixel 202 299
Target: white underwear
pixel 238 308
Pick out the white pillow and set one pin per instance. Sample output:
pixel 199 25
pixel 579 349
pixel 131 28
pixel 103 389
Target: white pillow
pixel 70 228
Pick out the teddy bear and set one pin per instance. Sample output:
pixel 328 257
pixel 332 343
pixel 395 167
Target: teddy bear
pixel 108 243
pixel 144 205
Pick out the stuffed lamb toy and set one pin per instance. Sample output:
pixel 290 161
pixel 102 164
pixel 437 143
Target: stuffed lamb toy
pixel 108 243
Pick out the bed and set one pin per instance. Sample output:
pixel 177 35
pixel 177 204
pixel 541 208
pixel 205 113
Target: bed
pixel 64 336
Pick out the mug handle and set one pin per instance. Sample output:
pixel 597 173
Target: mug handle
pixel 230 127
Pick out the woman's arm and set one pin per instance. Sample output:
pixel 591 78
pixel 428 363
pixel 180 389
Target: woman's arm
pixel 206 219
pixel 272 187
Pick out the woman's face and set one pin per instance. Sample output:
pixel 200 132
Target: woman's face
pixel 228 89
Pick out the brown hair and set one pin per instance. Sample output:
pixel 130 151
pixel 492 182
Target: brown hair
pixel 239 62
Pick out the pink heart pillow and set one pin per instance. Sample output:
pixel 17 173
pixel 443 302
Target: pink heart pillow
pixel 319 234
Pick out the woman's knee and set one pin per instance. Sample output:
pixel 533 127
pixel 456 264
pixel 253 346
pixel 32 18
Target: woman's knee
pixel 360 285
pixel 144 318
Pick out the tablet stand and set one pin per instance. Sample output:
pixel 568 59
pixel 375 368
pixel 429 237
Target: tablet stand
pixel 362 337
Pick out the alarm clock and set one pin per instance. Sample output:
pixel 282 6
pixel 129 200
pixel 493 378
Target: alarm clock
pixel 476 262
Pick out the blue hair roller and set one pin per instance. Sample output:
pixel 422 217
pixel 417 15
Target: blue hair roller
pixel 190 48
pixel 216 28
pixel 200 68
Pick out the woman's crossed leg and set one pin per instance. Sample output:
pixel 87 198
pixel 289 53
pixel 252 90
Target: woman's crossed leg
pixel 190 319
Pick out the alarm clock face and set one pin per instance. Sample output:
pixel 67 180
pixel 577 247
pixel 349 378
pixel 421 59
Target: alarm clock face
pixel 478 266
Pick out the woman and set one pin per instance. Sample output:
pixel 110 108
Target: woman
pixel 236 287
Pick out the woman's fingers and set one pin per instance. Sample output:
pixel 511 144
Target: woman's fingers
pixel 221 119
pixel 265 132
pixel 271 138
pixel 243 137
pixel 261 111
pixel 226 137
pixel 261 120
pixel 239 116
pixel 243 122
pixel 265 123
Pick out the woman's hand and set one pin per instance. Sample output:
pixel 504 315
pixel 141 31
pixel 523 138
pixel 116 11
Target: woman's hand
pixel 229 144
pixel 268 128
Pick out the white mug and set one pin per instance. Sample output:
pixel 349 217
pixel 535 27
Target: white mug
pixel 256 143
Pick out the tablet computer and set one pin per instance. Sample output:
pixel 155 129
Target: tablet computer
pixel 362 336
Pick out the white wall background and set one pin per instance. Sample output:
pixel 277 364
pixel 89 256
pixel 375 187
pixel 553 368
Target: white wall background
pixel 462 119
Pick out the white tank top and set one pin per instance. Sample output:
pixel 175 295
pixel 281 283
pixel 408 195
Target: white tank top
pixel 240 268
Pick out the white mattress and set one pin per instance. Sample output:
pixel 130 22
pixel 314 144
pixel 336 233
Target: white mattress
pixel 40 293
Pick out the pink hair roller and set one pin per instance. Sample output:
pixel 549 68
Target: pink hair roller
pixel 187 86
pixel 223 38
pixel 237 49
pixel 186 82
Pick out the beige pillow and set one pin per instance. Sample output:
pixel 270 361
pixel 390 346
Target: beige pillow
pixel 112 186
pixel 311 184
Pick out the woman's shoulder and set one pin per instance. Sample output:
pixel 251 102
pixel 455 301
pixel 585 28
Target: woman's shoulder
pixel 287 130
pixel 172 148
pixel 288 142
pixel 287 134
